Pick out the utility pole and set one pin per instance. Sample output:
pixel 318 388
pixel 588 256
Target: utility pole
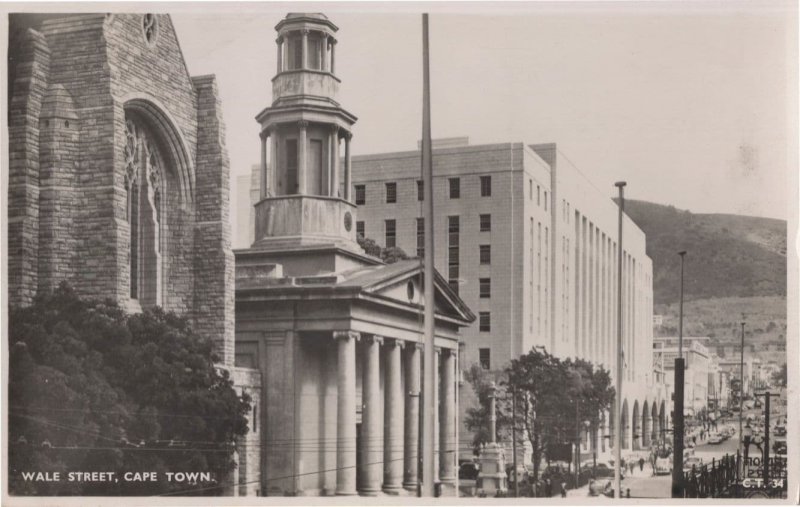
pixel 618 356
pixel 678 394
pixel 767 396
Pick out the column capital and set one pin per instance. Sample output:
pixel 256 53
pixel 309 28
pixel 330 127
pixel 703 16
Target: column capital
pixel 303 124
pixel 345 134
pixel 305 31
pixel 373 339
pixel 395 342
pixel 279 40
pixel 347 334
pixel 334 128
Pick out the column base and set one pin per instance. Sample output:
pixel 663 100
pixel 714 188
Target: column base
pixel 448 488
pixel 411 487
pixel 370 492
pixel 346 493
pixel 393 490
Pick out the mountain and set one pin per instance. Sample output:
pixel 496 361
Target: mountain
pixel 727 255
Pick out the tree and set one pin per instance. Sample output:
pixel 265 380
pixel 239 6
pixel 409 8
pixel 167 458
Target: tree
pixel 554 397
pixel 477 418
pixel 779 377
pixel 94 389
pixel 388 255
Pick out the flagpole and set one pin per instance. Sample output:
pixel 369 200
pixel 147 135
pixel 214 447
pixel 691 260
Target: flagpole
pixel 619 356
pixel 430 383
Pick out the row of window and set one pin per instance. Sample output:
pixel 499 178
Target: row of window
pixel 538 194
pixel 454 185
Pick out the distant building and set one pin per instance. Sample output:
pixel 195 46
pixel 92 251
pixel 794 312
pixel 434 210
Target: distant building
pixel 698 363
pixel 658 320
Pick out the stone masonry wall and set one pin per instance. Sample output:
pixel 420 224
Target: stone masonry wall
pixel 23 170
pixel 213 257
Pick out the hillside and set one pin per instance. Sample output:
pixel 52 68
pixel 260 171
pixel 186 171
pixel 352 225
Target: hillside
pixel 728 255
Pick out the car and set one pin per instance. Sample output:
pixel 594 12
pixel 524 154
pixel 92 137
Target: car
pixel 779 446
pixel 692 462
pixel 780 431
pixel 663 466
pixel 715 438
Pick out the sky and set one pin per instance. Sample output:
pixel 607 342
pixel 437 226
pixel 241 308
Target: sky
pixel 693 104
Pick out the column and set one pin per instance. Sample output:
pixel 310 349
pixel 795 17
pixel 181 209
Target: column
pixel 324 43
pixel 335 191
pixel 302 151
pixel 411 451
pixel 346 413
pixel 447 421
pixel 333 165
pixel 436 421
pixel 348 175
pixel 333 56
pixel 279 42
pixel 263 179
pixel 371 419
pixel 272 188
pixel 304 50
pixel 393 419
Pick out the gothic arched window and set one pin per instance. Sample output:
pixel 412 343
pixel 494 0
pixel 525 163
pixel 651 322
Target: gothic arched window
pixel 144 185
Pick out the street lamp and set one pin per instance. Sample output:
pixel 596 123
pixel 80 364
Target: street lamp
pixel 741 389
pixel 677 417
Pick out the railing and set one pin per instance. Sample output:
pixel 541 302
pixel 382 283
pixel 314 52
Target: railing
pixel 714 480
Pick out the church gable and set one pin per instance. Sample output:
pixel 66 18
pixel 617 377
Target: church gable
pixel 404 283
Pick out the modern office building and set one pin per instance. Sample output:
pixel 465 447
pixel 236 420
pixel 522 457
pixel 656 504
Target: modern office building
pixel 530 244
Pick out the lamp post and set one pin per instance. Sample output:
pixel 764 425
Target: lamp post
pixel 741 388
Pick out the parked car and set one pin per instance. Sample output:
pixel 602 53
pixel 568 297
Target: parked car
pixel 663 466
pixel 715 438
pixel 779 446
pixel 692 461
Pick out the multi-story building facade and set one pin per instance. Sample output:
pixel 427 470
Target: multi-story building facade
pixel 529 244
pixel 699 370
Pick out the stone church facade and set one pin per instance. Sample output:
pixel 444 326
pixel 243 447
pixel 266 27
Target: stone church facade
pixel 118 173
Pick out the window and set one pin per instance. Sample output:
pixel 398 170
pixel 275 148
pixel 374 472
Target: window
pixel 484 357
pixel 486 223
pixel 484 322
pixel 291 166
pixel 530 189
pixel 485 288
pixel 486 254
pixel 545 200
pixel 538 195
pixel 420 190
pixel 455 188
pixel 420 237
pixel 255 418
pixel 360 228
pixel 453 264
pixel 144 185
pixel 391 193
pixel 314 53
pixel 391 233
pixel 361 194
pixel 486 186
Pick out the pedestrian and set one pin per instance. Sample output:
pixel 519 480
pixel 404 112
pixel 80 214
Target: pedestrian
pixel 563 490
pixel 694 440
pixel 641 464
pixel 548 488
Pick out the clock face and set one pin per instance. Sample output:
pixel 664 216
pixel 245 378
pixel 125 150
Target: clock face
pixel 348 221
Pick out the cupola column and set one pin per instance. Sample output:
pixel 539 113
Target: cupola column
pixel 273 164
pixel 301 153
pixel 324 51
pixel 279 43
pixel 263 179
pixel 304 59
pixel 348 175
pixel 333 56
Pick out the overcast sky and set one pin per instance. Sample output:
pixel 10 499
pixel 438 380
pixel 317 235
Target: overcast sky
pixel 693 104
